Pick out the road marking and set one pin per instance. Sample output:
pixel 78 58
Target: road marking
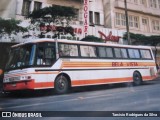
pixel 79 98
pixel 69 100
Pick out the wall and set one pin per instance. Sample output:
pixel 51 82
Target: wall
pixel 7 8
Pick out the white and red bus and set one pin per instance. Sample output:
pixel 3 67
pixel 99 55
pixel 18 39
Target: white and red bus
pixel 62 64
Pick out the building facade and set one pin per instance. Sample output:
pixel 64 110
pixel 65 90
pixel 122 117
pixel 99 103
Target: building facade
pixel 144 16
pixel 105 18
pixel 107 15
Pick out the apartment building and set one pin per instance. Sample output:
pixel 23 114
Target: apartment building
pixel 105 16
pixel 144 15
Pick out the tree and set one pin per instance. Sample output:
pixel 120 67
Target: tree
pixel 56 19
pixel 10 26
pixel 91 38
pixel 152 40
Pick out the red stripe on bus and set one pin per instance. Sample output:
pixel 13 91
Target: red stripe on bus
pixel 19 85
pixel 27 85
pixel 146 78
pixel 108 80
pixel 44 85
pixel 101 81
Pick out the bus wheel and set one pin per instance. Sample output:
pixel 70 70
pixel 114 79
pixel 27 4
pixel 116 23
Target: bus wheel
pixel 61 85
pixel 137 79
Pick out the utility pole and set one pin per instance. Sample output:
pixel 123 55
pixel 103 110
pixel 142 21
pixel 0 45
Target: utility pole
pixel 127 24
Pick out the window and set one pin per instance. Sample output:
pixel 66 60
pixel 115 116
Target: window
pixel 105 52
pixel 88 51
pixel 123 19
pixel 145 54
pixel 134 53
pixel 143 2
pixel 76 14
pixel 68 50
pixel 94 18
pixel 133 21
pixel 91 17
pixel 144 21
pixel 136 23
pixel 159 3
pixel 156 25
pixel 153 3
pixel 46 54
pixel 97 18
pixel 37 5
pixel 130 21
pixel 26 7
pixel 120 53
pixel 133 1
pixel 120 19
pixel 145 25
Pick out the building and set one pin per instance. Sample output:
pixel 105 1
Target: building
pixel 107 15
pixel 104 16
pixel 144 15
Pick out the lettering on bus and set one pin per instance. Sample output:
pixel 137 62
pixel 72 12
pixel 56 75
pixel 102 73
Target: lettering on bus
pixel 120 64
pixel 117 64
pixel 132 64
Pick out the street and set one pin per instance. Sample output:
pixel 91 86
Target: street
pixel 98 98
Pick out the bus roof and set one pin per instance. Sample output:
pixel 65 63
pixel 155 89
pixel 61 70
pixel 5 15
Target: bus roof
pixel 80 42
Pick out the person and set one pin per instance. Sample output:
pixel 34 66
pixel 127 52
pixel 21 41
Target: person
pixel 40 57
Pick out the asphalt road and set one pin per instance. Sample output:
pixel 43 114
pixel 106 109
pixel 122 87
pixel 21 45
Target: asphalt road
pixel 98 98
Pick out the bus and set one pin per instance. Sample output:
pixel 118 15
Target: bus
pixel 63 64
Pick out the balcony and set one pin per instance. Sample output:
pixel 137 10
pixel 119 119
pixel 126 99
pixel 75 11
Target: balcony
pixel 137 8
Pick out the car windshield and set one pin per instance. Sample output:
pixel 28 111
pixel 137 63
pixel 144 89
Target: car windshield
pixel 21 56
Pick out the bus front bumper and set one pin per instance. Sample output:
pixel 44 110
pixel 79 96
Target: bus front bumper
pixel 21 85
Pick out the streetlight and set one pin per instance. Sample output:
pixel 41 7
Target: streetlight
pixel 127 25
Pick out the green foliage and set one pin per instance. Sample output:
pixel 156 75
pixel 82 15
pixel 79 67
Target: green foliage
pixel 152 40
pixel 54 14
pixel 54 11
pixel 91 38
pixel 10 27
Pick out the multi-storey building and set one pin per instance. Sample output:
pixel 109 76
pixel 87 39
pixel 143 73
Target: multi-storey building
pixel 144 15
pixel 106 16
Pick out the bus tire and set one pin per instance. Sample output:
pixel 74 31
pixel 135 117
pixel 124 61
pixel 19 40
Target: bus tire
pixel 137 78
pixel 61 85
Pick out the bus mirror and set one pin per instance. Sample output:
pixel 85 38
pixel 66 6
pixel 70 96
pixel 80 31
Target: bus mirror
pixel 1 71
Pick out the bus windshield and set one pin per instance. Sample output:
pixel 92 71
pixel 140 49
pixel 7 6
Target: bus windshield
pixel 21 56
pixel 40 54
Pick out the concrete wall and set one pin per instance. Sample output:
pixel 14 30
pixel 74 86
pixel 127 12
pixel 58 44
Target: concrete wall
pixel 8 8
